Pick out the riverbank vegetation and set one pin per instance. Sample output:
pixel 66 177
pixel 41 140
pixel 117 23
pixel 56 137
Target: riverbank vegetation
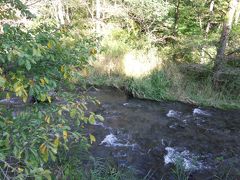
pixel 173 53
pixel 161 50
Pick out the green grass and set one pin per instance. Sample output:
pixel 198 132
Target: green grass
pixel 203 93
pixel 169 84
pixel 152 87
pixel 179 171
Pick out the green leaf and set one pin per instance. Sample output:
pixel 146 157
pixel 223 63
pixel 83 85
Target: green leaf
pixel 99 117
pixel 45 156
pixel 53 157
pixel 92 138
pixel 73 113
pixel 2 81
pixel 91 119
pixel 47 174
pixel 28 65
pixel 2 156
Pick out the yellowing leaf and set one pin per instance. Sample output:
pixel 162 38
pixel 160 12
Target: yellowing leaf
pixel 46 80
pixel 65 135
pixel 7 96
pixel 17 88
pixel 47 119
pixel 62 69
pixel 65 75
pixel 25 92
pixel 59 112
pixel 9 122
pixel 31 82
pixel 43 148
pixel 20 170
pixel 56 141
pixel 92 138
pixel 25 98
pixel 42 81
pixel 93 51
pixel 49 45
pixel 49 99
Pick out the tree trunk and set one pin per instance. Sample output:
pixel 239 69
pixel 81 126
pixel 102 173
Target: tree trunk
pixel 209 22
pixel 220 57
pixel 67 14
pixel 227 25
pixel 176 18
pixel 237 16
pixel 175 25
pixel 207 31
pixel 98 16
pixel 59 11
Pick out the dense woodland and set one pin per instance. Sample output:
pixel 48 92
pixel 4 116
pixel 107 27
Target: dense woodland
pixel 184 50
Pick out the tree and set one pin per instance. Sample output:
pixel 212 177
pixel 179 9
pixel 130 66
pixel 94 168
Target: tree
pixel 226 29
pixel 176 17
pixel 98 16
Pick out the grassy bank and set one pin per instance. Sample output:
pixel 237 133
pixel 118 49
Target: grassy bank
pixel 163 82
pixel 149 71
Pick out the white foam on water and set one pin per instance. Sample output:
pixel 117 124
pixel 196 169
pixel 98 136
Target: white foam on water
pixel 185 121
pixel 198 111
pixel 109 140
pixel 188 160
pixel 112 141
pixel 173 126
pixel 10 101
pixel 173 114
pixel 99 124
pixel 132 105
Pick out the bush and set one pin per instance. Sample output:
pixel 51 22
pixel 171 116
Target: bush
pixel 33 64
pixel 30 142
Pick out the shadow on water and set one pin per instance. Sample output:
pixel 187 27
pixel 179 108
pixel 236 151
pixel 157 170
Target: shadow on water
pixel 150 137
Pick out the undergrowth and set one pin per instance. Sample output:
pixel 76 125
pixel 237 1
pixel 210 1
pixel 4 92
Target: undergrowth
pixel 168 84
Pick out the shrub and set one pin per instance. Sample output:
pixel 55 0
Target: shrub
pixel 34 63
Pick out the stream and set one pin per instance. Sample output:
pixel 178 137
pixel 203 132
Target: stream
pixel 151 137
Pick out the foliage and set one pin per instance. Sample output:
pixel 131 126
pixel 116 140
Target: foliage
pixel 151 87
pixel 37 62
pixel 107 171
pixel 31 142
pixel 9 8
pixel 148 14
pixel 32 61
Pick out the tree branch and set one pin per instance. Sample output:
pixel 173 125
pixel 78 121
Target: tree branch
pixel 208 54
pixel 235 51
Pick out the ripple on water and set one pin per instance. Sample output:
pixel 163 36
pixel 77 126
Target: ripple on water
pixel 132 105
pixel 189 161
pixel 112 141
pixel 174 114
pixel 10 101
pixel 198 111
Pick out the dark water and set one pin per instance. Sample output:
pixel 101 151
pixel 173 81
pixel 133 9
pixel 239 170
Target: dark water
pixel 150 137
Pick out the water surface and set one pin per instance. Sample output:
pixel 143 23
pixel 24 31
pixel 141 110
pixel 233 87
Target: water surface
pixel 150 137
